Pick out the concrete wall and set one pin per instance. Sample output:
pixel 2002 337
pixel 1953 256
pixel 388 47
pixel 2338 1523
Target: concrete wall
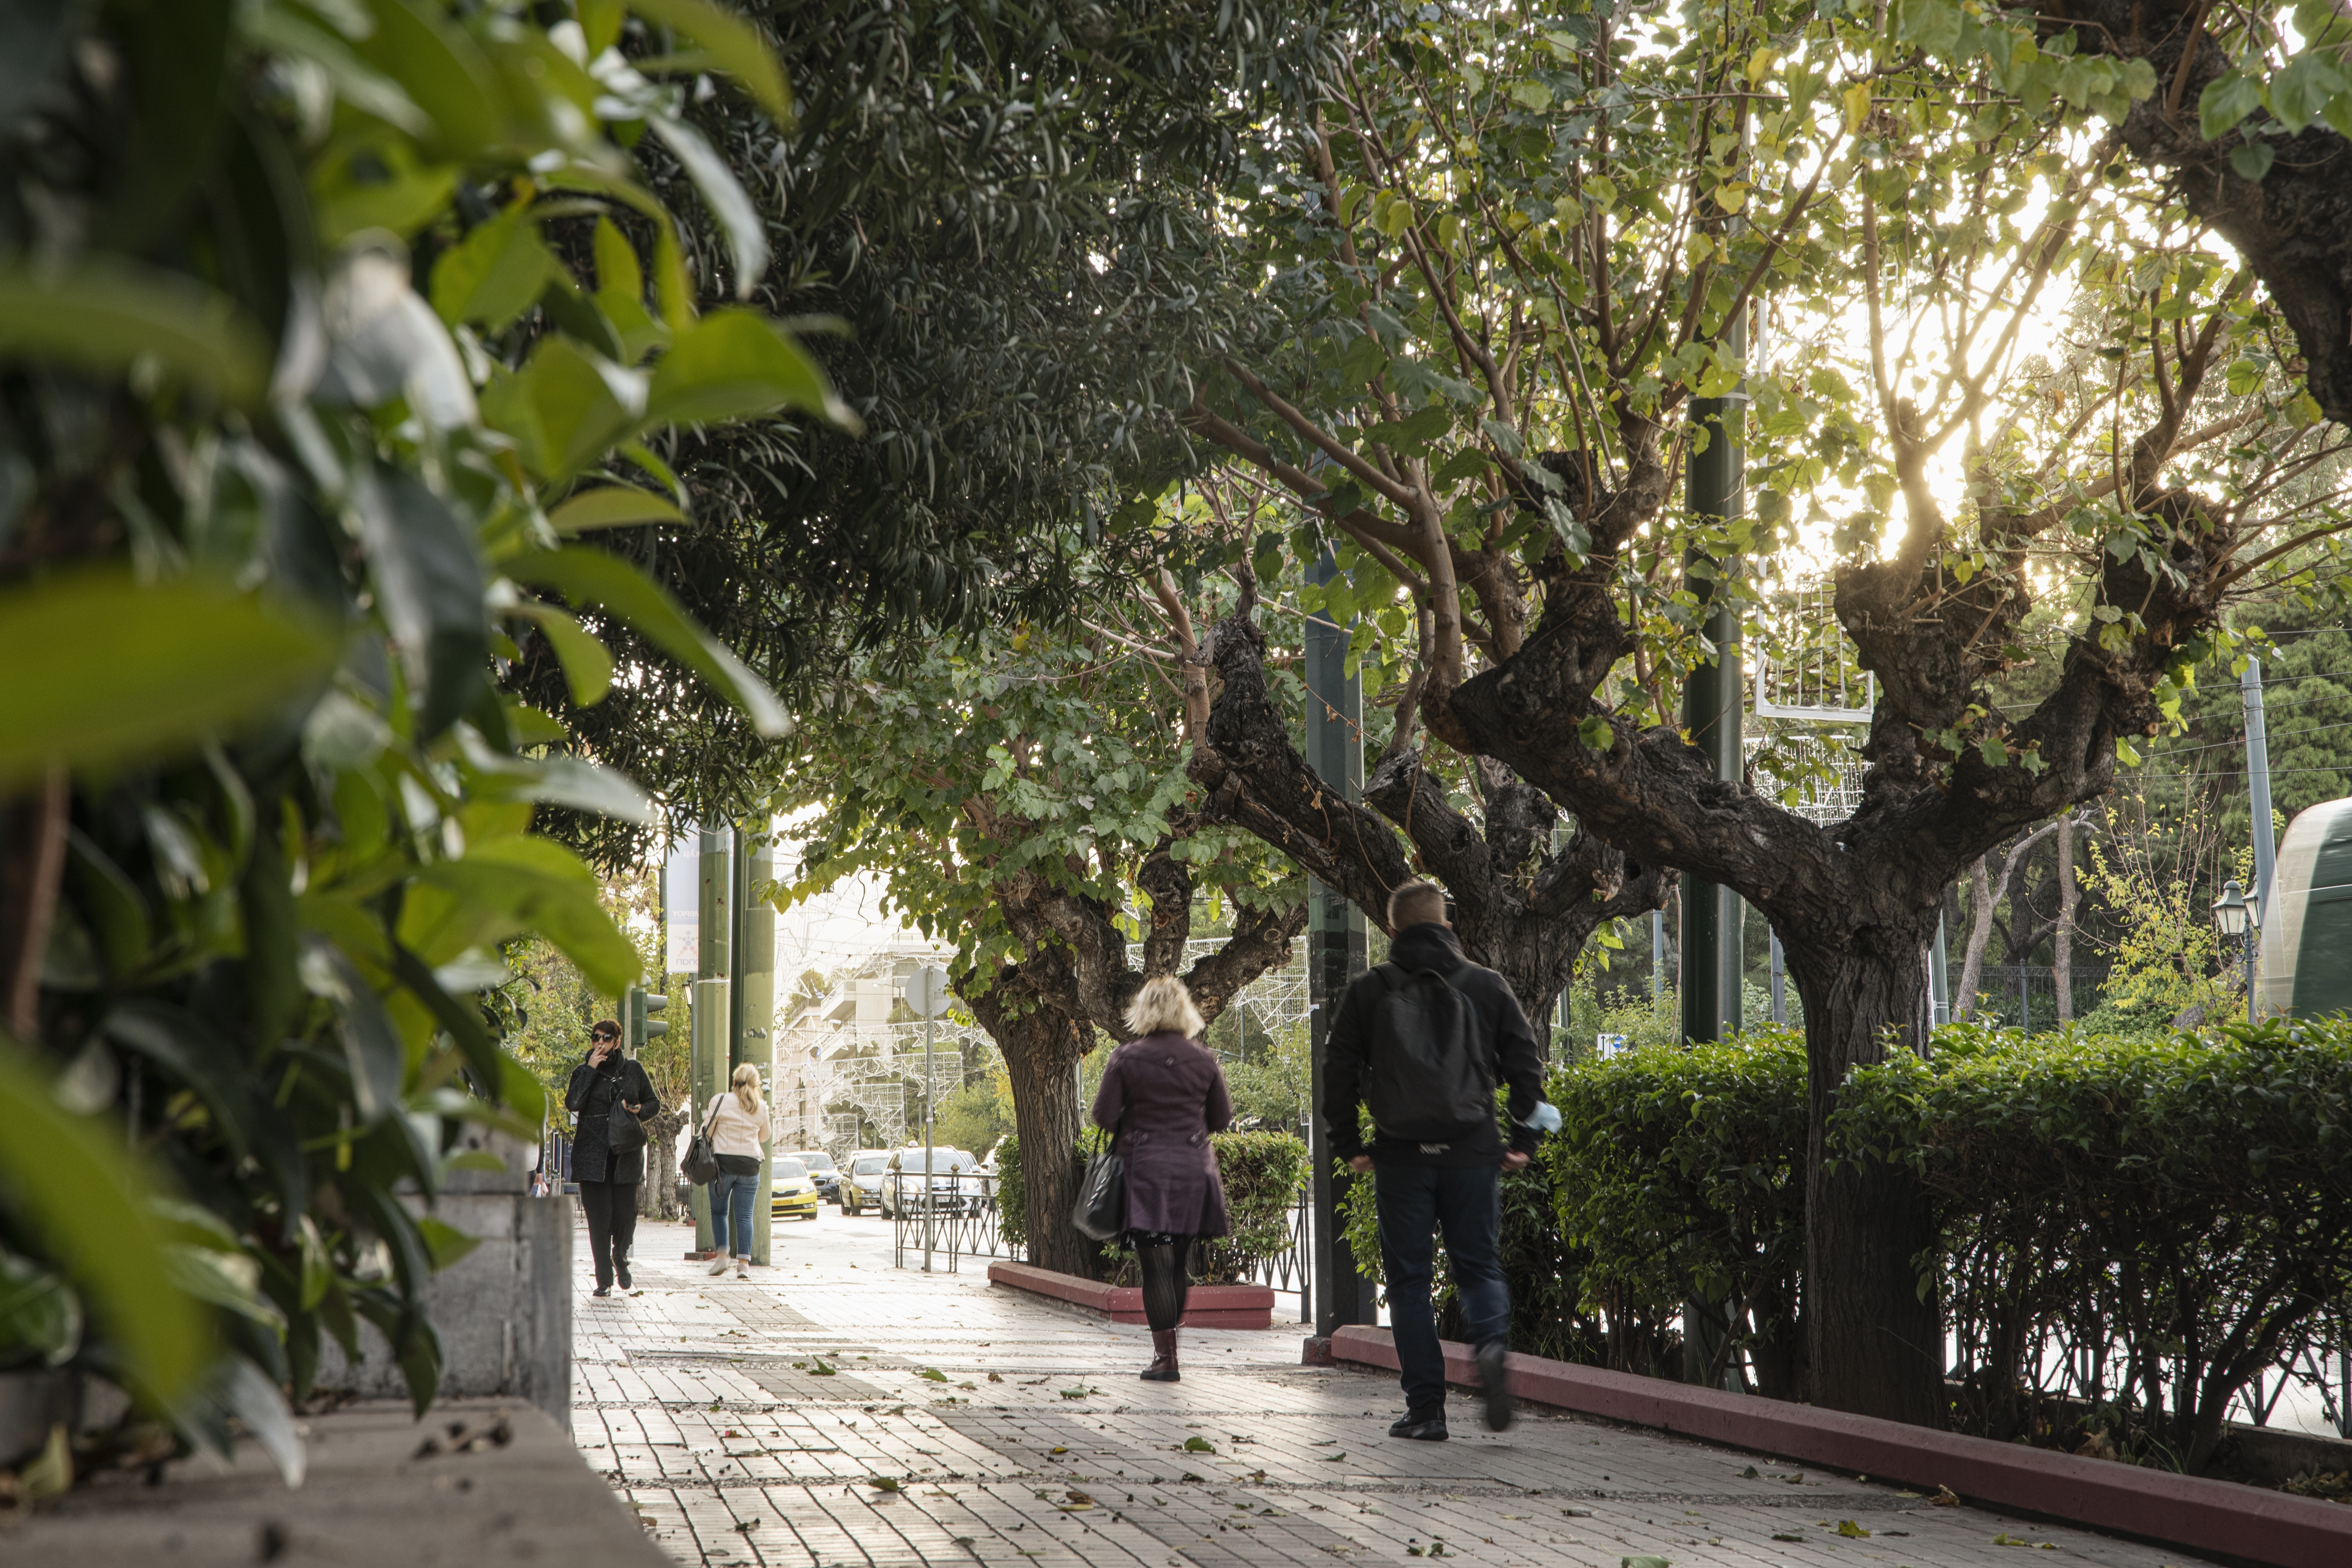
pixel 503 1311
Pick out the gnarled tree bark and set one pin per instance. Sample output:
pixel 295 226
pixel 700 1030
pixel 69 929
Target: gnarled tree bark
pixel 1045 1012
pixel 1521 907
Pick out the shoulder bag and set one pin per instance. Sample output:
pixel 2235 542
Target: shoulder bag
pixel 699 1165
pixel 625 1134
pixel 1101 1211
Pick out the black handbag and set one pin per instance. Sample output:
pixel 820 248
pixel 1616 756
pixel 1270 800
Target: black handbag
pixel 1101 1211
pixel 623 1133
pixel 699 1165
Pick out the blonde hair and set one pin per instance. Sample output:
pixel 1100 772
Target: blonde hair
pixel 1164 1005
pixel 747 1090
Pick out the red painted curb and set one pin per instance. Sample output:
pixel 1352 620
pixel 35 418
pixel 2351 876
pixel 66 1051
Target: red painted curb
pixel 2219 1517
pixel 1208 1306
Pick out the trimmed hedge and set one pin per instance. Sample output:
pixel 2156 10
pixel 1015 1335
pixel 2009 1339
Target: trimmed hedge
pixel 1678 1172
pixel 2170 1217
pixel 1263 1173
pixel 2133 1229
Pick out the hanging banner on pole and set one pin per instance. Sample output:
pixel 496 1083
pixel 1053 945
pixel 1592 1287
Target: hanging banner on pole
pixel 682 905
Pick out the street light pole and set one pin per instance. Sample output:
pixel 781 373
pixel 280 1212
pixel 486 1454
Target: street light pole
pixel 2237 915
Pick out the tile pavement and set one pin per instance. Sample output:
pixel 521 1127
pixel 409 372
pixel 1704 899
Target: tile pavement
pixel 835 1412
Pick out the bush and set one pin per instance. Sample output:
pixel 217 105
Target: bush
pixel 1678 1175
pixel 2143 1226
pixel 1263 1173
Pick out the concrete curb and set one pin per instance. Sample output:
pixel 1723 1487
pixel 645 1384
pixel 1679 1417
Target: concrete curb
pixel 1208 1307
pixel 2223 1517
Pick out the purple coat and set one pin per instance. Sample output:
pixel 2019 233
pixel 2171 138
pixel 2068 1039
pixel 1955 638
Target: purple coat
pixel 1163 1095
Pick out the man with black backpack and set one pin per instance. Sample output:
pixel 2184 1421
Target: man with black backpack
pixel 1422 1040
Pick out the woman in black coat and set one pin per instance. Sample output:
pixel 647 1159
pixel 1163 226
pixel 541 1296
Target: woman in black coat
pixel 1163 1094
pixel 606 1083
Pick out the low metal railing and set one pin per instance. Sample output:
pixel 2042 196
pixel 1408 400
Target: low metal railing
pixel 939 1220
pixel 961 1219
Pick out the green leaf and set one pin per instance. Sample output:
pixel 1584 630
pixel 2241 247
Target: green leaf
pixel 1993 751
pixel 428 580
pixel 75 1185
pixel 38 1311
pixel 733 44
pixel 591 576
pixel 613 506
pixel 445 1242
pixel 1199 1446
pixel 2252 160
pixel 2226 100
pixel 102 669
pixel 1597 733
pixel 104 316
pixel 2246 376
pixel 734 364
pixel 443 71
pixel 566 408
pixel 587 662
pixel 745 231
pixel 524 884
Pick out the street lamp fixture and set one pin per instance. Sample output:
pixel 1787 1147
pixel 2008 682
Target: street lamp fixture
pixel 2236 916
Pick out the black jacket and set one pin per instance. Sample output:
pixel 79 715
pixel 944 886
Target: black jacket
pixel 590 1098
pixel 1512 1055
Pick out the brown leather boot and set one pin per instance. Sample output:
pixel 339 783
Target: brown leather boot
pixel 1163 1358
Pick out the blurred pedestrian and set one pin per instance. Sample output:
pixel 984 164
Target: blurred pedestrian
pixel 1422 1039
pixel 612 1098
pixel 1163 1094
pixel 737 1123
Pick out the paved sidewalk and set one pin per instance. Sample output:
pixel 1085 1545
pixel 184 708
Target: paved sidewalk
pixel 836 1413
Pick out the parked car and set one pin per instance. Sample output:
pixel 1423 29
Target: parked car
pixel 821 1170
pixel 953 1173
pixel 792 1193
pixel 861 1185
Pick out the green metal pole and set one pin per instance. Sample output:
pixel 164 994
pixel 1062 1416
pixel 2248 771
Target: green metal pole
pixel 705 1067
pixel 755 1013
pixel 1711 946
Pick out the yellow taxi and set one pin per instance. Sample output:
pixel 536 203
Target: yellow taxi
pixel 792 1192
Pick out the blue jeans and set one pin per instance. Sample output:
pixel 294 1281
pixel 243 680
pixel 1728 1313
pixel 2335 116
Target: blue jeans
pixel 732 1194
pixel 1413 1202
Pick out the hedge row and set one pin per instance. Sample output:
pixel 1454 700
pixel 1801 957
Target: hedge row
pixel 1263 1173
pixel 2138 1228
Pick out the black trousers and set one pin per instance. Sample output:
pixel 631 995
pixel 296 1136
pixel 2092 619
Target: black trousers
pixel 612 1211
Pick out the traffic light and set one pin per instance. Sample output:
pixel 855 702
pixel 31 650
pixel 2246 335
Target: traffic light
pixel 636 1027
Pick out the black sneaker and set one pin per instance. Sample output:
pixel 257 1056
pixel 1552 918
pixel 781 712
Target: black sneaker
pixel 1422 1426
pixel 601 1291
pixel 623 1270
pixel 1492 1383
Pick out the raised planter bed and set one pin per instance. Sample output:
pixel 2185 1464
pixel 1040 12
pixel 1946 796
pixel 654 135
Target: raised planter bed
pixel 2220 1518
pixel 1208 1307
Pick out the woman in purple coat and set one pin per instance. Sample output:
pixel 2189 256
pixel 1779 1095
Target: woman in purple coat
pixel 1163 1094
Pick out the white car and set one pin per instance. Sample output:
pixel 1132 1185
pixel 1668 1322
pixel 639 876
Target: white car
pixel 953 1175
pixel 861 1180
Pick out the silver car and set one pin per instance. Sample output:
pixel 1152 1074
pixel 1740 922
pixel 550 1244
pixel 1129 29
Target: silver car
pixel 953 1180
pixel 861 1180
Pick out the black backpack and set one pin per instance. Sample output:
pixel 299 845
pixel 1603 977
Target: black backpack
pixel 1427 1081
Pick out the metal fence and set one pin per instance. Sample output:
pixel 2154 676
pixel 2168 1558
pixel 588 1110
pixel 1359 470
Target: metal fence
pixel 2026 994
pixel 958 1218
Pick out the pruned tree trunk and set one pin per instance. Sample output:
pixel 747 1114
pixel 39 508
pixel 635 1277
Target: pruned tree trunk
pixel 1980 902
pixel 1873 1345
pixel 1045 1010
pixel 658 1194
pixel 1042 1047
